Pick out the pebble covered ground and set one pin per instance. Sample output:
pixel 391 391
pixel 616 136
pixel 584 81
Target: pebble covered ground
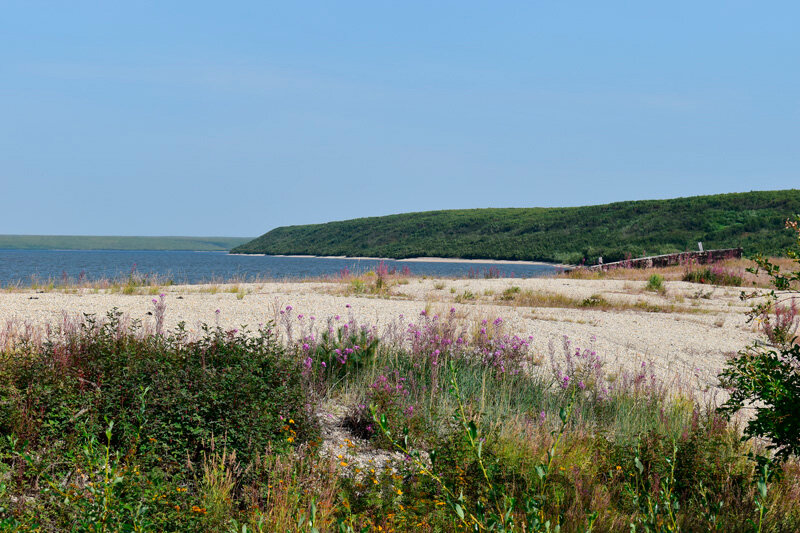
pixel 701 323
pixel 685 345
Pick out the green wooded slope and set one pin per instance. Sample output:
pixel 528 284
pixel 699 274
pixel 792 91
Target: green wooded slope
pixel 84 242
pixel 752 220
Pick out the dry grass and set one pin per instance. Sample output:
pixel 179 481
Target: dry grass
pixel 676 273
pixel 528 298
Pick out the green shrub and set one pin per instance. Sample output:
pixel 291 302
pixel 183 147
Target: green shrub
pixel 234 387
pixel 655 283
pixel 714 275
pixel 594 300
pixel 510 293
pixel 767 379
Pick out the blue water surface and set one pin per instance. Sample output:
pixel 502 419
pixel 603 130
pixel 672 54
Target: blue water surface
pixel 21 267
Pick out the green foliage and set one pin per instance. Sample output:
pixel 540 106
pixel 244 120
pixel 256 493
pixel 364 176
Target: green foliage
pixel 655 283
pixel 714 275
pixel 570 235
pixel 510 293
pixel 594 300
pixel 196 389
pixel 767 379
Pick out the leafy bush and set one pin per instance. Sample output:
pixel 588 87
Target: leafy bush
pixel 780 326
pixel 769 382
pixel 195 390
pixel 595 300
pixel 655 283
pixel 768 379
pixel 714 275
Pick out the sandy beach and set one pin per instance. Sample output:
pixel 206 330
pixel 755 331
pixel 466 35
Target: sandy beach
pixel 689 341
pixel 431 260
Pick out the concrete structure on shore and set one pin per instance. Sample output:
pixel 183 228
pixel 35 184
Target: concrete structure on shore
pixel 681 258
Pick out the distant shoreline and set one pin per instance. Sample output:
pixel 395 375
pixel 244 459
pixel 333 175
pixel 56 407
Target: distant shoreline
pixel 424 260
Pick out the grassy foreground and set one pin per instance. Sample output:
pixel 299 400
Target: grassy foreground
pixel 430 423
pixel 751 220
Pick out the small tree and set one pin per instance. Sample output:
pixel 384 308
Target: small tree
pixel 767 378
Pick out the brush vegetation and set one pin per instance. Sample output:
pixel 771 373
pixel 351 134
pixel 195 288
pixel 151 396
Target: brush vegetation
pixel 614 231
pixel 442 423
pixel 86 242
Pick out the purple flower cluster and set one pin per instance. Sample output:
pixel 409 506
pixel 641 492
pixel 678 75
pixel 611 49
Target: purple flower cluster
pixel 579 369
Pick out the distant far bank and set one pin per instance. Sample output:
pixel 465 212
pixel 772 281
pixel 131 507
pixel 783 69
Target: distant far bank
pixel 429 260
pixel 97 242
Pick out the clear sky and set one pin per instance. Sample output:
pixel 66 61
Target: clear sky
pixel 232 118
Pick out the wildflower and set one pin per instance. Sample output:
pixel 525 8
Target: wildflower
pixel 343 463
pixel 290 439
pixel 288 307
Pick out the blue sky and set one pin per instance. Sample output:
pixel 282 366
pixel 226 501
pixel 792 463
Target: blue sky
pixel 231 118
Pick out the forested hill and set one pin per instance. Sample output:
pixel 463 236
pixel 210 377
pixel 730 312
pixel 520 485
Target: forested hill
pixel 753 220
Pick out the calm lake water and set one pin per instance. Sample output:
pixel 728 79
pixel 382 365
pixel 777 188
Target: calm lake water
pixel 23 266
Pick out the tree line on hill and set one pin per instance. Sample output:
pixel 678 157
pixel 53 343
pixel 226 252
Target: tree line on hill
pixel 753 221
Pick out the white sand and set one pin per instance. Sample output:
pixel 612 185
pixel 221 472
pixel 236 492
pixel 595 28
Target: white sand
pixel 690 344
